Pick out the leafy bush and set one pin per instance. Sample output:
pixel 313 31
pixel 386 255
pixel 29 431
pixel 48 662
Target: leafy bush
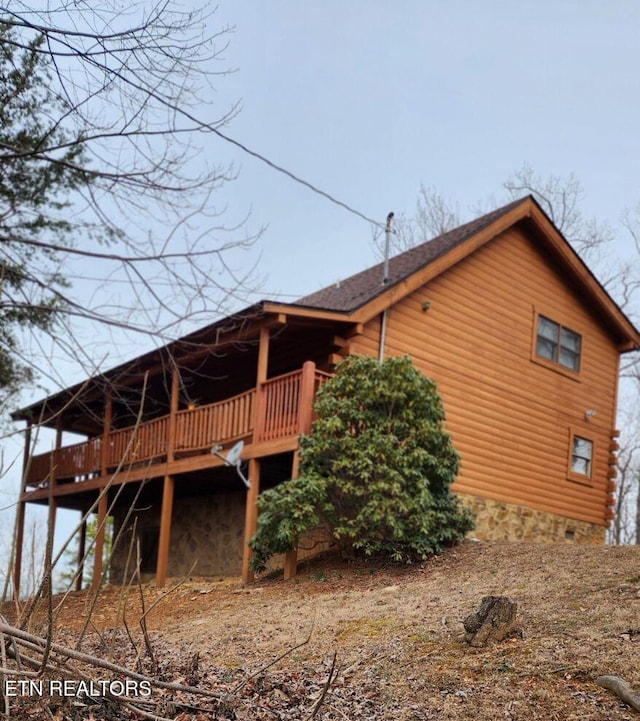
pixel 376 469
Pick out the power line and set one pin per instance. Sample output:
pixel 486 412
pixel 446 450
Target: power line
pixel 20 20
pixel 294 177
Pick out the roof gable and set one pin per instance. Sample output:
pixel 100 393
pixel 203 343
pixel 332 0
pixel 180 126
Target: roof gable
pixel 353 292
pixel 364 295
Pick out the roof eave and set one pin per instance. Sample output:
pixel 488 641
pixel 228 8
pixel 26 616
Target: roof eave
pixel 34 412
pixel 624 328
pixel 404 286
pixel 627 334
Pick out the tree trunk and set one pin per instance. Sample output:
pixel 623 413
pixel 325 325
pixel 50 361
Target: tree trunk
pixel 494 621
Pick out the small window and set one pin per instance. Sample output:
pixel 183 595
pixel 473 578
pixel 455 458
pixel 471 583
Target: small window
pixel 558 344
pixel 581 456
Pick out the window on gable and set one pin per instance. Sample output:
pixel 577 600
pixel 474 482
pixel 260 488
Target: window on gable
pixel 581 456
pixel 558 344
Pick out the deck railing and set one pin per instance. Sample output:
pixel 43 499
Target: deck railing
pixel 144 442
pixel 227 420
pixel 280 399
pixel 278 408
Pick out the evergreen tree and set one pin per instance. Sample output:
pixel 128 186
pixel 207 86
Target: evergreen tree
pixel 34 203
pixel 376 469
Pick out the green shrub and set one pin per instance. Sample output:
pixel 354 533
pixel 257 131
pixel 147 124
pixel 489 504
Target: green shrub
pixel 376 469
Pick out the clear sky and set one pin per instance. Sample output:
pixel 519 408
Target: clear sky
pixel 368 98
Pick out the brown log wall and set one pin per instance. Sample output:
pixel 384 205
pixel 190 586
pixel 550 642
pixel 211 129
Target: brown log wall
pixel 511 414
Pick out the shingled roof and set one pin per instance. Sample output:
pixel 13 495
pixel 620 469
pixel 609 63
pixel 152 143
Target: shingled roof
pixel 350 294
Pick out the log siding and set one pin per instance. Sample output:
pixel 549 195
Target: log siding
pixel 511 413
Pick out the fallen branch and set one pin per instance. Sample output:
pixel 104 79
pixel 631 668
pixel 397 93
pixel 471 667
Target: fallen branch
pixel 39 643
pixel 278 658
pixel 621 688
pixel 333 673
pixel 5 697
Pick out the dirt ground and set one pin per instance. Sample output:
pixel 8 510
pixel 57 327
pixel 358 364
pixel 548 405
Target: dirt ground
pixel 397 635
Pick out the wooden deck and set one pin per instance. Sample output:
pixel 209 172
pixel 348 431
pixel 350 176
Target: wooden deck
pixel 277 409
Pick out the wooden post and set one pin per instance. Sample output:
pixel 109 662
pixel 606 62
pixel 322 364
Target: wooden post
pixel 251 518
pixel 165 531
pixel 307 393
pixel 261 377
pixel 106 430
pixel 26 458
pixel 99 544
pixel 291 557
pixel 98 549
pixel 81 549
pixel 56 455
pixel 166 514
pixel 19 538
pixel 290 564
pixel 305 415
pixel 173 410
pixel 263 356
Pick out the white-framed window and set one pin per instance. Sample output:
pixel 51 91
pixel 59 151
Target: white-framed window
pixel 558 344
pixel 581 456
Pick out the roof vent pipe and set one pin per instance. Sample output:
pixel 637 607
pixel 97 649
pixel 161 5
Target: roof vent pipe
pixel 387 243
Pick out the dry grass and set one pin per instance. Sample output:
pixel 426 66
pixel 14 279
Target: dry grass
pixel 398 631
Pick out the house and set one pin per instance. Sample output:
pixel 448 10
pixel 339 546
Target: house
pixel 522 340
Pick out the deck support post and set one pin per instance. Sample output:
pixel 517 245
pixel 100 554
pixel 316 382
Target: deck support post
pixel 56 462
pixel 291 557
pixel 99 543
pixel 173 410
pixel 251 518
pixel 20 518
pixel 98 548
pixel 263 356
pixel 290 564
pixel 165 531
pixel 168 490
pixel 305 416
pixel 82 543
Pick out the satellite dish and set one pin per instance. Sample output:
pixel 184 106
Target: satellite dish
pixel 233 457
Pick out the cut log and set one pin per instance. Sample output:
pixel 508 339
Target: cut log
pixel 493 621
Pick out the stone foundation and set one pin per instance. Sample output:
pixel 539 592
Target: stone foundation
pixel 499 521
pixel 312 543
pixel 207 531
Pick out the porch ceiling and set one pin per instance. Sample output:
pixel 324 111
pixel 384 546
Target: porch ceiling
pixel 208 373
